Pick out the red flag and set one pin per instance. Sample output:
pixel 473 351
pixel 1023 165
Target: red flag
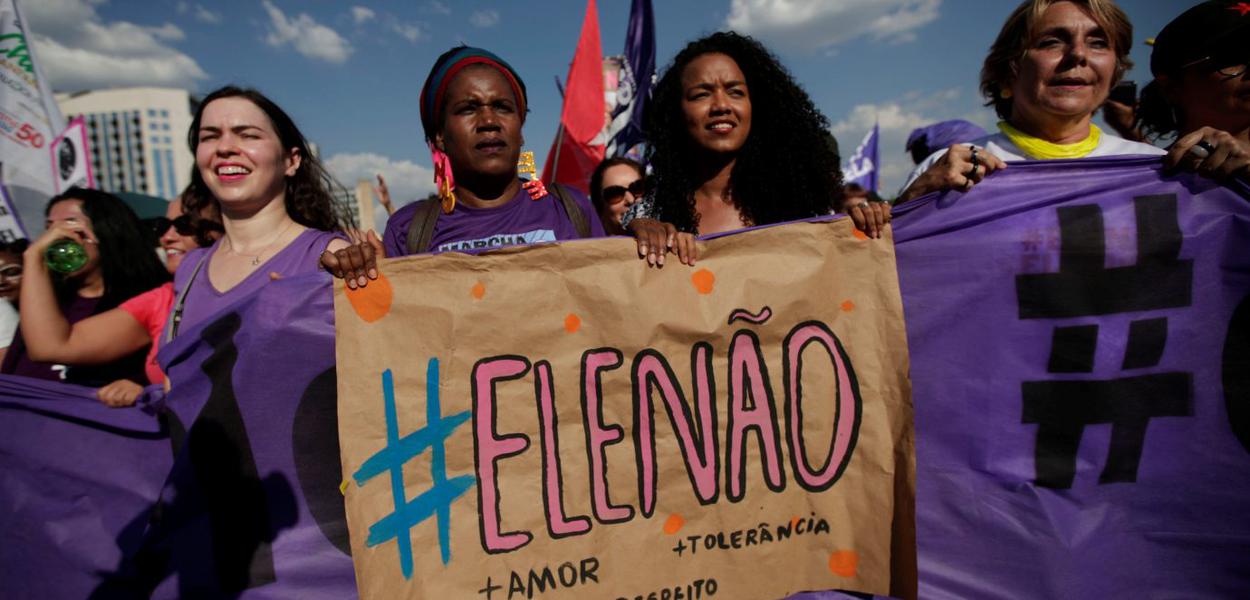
pixel 576 151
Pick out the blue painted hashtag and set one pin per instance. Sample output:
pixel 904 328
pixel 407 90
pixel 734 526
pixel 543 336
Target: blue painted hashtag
pixel 433 502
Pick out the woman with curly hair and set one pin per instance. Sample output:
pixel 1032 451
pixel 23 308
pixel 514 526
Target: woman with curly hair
pixel 734 142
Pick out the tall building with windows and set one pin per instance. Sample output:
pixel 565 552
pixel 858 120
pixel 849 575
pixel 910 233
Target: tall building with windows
pixel 138 137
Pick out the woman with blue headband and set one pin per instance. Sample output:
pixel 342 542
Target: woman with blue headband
pixel 473 105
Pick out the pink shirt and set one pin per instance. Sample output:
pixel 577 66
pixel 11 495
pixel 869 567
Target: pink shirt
pixel 151 309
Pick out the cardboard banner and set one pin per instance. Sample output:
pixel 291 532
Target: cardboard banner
pixel 77 484
pixel 560 421
pixel 1080 343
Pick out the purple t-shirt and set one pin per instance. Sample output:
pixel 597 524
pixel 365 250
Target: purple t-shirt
pixel 521 220
pixel 203 300
pixel 77 308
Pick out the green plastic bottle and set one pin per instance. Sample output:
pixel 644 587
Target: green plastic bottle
pixel 65 256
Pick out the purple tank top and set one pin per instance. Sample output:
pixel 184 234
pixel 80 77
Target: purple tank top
pixel 203 300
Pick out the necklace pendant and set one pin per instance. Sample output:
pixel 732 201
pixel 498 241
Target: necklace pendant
pixel 255 261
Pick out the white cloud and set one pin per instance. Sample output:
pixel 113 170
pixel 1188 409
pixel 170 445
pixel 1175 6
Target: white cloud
pixel 891 116
pixel 409 31
pixel 897 118
pixel 306 35
pixel 406 180
pixel 200 13
pixel 808 25
pixel 79 50
pixel 484 18
pixel 360 14
pixel 436 7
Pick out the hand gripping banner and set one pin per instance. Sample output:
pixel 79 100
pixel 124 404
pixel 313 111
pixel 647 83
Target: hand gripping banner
pixel 77 485
pixel 1080 343
pixel 562 422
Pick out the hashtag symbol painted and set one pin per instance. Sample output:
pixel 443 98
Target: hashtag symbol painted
pixel 434 502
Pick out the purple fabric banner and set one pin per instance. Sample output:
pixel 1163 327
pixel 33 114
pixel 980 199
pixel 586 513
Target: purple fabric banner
pixel 1080 344
pixel 77 482
pixel 233 492
pixel 252 507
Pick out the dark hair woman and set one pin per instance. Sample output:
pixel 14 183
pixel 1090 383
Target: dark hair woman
pixel 118 332
pixel 253 167
pixel 615 185
pixel 473 105
pixel 1201 89
pixel 120 265
pixel 734 141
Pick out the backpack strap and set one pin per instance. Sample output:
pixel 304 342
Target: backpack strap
pixel 421 229
pixel 574 210
pixel 175 313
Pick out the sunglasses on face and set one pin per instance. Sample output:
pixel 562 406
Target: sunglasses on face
pixel 616 193
pixel 1228 62
pixel 182 225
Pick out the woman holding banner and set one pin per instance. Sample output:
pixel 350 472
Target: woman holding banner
pixel 253 166
pixel 1051 67
pixel 735 142
pixel 1201 90
pixel 473 105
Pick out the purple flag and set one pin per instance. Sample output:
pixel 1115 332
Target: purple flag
pixel 926 140
pixel 252 507
pixel 1080 357
pixel 634 91
pixel 77 482
pixel 863 166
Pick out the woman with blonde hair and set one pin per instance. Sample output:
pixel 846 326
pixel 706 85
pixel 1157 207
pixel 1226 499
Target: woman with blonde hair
pixel 1050 69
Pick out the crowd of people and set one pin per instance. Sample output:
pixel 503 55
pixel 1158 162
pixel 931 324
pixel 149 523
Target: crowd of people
pixel 732 141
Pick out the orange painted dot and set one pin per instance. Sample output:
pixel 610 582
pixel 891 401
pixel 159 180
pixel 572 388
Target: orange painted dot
pixel 703 281
pixel 572 323
pixel 848 306
pixel 794 522
pixel 859 235
pixel 373 301
pixel 479 290
pixel 844 563
pixel 674 524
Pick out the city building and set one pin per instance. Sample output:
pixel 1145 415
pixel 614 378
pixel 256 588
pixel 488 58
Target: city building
pixel 138 137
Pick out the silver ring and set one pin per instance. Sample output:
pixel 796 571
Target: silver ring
pixel 1202 149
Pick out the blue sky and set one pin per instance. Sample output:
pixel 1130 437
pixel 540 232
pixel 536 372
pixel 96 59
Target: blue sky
pixel 349 72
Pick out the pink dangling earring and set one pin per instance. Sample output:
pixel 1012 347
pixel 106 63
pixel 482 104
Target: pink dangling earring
pixel 444 180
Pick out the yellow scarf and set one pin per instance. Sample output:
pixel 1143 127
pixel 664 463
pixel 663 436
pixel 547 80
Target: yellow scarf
pixel 1038 148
